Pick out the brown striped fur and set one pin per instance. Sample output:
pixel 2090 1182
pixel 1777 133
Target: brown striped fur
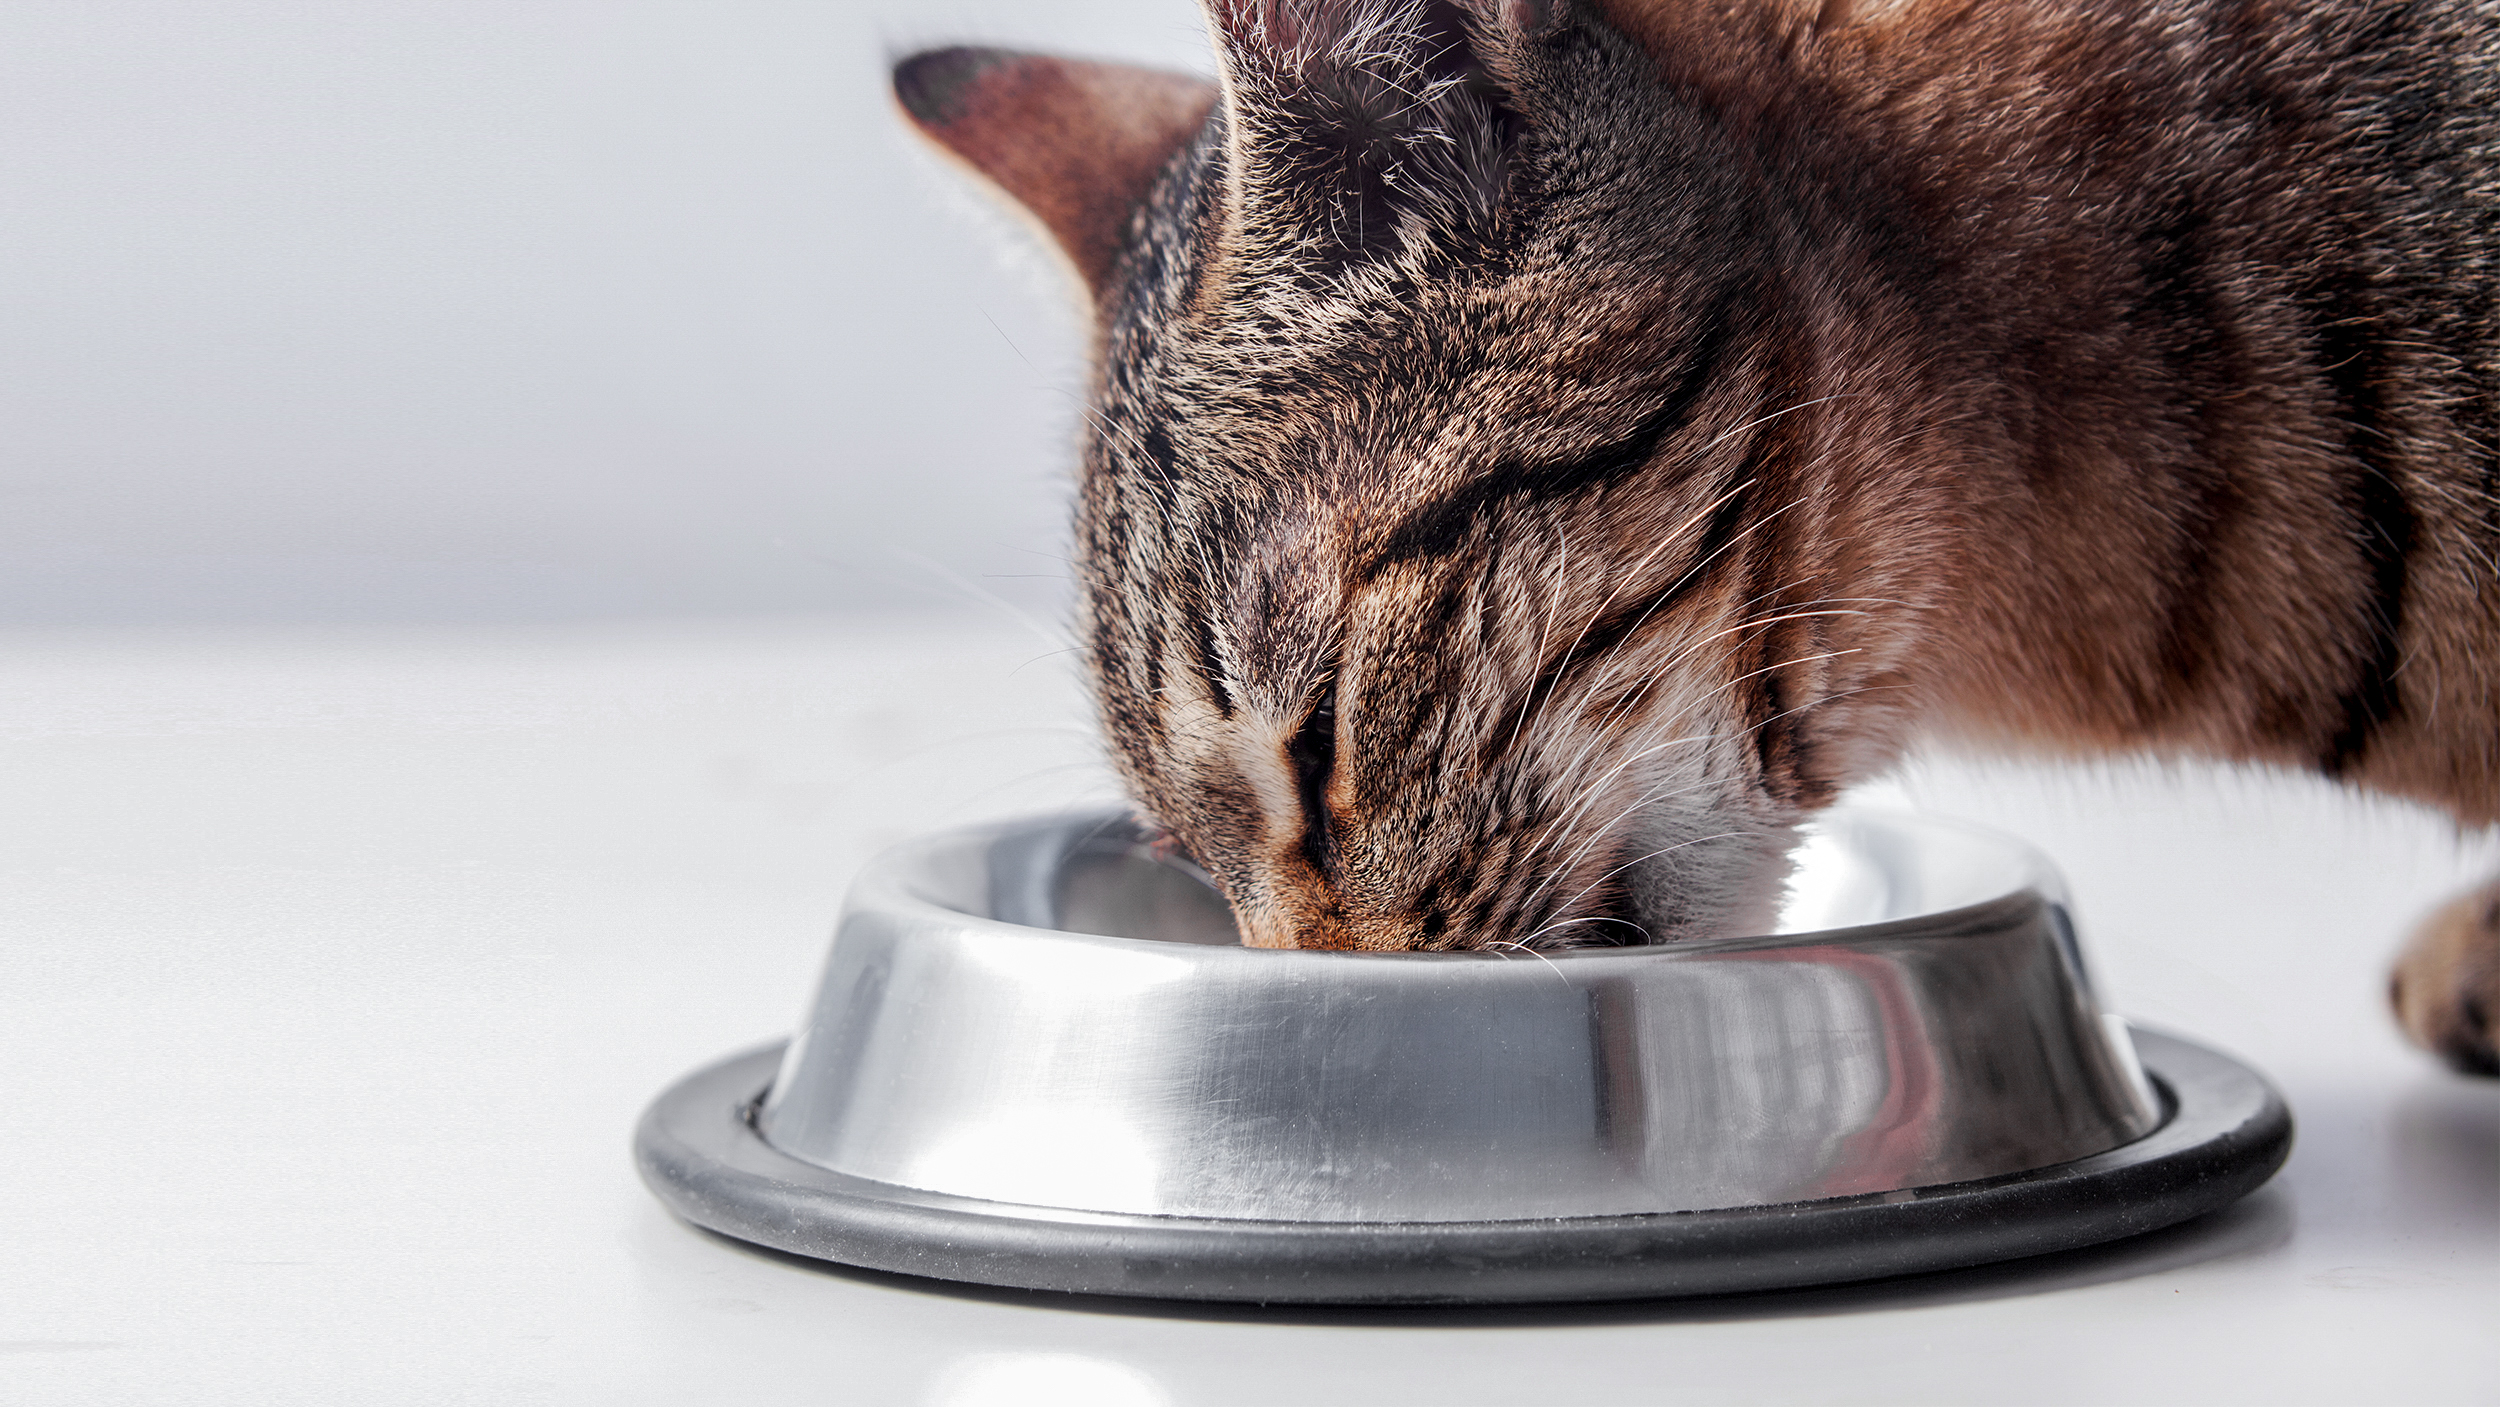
pixel 1540 453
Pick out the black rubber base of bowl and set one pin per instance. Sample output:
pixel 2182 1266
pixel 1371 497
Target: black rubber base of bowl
pixel 2225 1134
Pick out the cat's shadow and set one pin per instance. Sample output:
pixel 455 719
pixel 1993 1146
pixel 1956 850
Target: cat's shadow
pixel 2259 1223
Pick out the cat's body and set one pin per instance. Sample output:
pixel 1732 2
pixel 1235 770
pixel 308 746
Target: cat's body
pixel 1541 453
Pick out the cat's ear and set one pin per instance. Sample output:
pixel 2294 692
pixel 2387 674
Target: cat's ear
pixel 1077 144
pixel 1358 128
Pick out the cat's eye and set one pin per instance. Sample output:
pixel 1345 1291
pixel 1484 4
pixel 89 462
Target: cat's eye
pixel 1313 752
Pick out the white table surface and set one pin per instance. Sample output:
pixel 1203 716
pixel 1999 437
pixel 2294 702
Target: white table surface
pixel 338 966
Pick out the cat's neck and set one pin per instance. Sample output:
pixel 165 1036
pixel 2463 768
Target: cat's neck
pixel 2196 367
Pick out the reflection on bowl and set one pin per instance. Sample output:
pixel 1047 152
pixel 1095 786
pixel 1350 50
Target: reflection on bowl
pixel 1049 1013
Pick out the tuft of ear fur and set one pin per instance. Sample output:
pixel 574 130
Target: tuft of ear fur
pixel 1077 144
pixel 1364 128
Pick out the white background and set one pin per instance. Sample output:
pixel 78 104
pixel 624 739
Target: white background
pixel 336 965
pixel 448 309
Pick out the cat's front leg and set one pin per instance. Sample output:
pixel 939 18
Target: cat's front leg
pixel 2446 987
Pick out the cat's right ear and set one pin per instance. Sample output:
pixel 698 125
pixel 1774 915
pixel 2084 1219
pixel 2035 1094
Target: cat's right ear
pixel 1076 144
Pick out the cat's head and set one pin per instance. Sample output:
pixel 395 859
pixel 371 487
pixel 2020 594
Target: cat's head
pixel 1459 553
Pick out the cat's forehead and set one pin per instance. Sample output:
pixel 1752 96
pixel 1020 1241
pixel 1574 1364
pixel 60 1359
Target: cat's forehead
pixel 1403 379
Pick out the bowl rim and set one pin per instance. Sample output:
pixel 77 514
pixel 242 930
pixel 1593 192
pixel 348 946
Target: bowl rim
pixel 884 884
pixel 2224 1131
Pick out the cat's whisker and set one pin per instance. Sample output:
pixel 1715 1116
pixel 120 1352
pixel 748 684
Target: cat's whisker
pixel 1663 790
pixel 1596 788
pixel 1593 790
pixel 1774 415
pixel 1663 597
pixel 1553 602
pixel 1731 683
pixel 1573 922
pixel 1673 537
pixel 1554 873
pixel 1050 655
pixel 1739 628
pixel 1650 799
pixel 1105 423
pixel 980 594
pixel 1633 698
pixel 1644 859
pixel 1650 678
pixel 1521 945
pixel 1599 732
pixel 1668 790
pixel 1606 676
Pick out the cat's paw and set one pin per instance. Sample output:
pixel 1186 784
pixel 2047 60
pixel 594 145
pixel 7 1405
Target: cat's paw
pixel 2446 987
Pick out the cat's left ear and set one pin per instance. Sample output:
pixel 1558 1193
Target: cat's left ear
pixel 1077 144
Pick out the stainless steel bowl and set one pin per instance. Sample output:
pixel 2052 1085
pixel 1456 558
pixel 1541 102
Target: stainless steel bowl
pixel 1047 1015
pixel 1039 1058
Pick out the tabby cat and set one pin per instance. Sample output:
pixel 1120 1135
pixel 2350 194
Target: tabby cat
pixel 1542 450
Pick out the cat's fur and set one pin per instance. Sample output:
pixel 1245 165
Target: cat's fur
pixel 1541 451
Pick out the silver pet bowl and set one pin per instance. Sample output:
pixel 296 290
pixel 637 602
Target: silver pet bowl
pixel 1039 1057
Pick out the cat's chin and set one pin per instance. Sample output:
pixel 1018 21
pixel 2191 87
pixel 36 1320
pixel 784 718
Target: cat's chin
pixel 1725 882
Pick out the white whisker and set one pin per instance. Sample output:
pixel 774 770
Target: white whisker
pixel 1553 600
pixel 1522 946
pixel 1652 855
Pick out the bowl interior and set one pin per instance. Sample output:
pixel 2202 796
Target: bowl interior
pixel 1114 881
